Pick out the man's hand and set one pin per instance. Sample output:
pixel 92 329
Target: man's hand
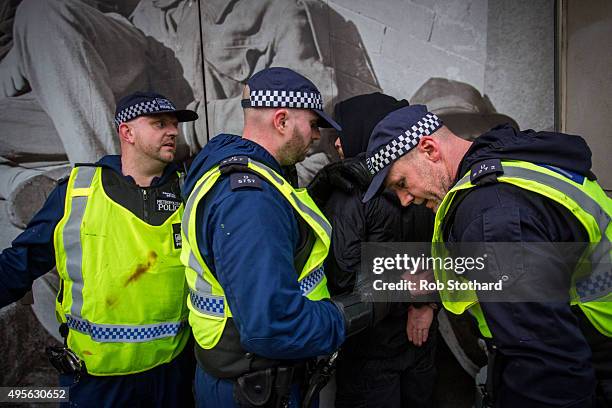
pixel 419 321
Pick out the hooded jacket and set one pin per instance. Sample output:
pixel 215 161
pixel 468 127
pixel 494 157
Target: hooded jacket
pixel 382 219
pixel 545 359
pixel 248 238
pixel 32 254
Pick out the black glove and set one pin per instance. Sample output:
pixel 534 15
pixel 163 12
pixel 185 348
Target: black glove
pixel 359 313
pixel 345 175
pixel 354 173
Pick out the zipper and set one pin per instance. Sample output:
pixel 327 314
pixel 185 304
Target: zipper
pixel 145 205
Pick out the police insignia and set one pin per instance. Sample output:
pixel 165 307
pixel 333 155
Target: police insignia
pixel 164 104
pixel 486 171
pixel 244 180
pixel 167 205
pixel 176 235
pixel 234 160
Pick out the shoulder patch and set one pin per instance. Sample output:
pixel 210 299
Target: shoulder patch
pixel 244 180
pixel 233 164
pixel 242 160
pixel 486 171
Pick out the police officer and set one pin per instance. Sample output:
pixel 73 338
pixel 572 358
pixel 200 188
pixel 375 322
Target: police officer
pixel 510 186
pixel 112 229
pixel 254 249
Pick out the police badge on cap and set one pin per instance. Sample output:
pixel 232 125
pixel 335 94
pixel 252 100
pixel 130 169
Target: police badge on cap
pixel 148 103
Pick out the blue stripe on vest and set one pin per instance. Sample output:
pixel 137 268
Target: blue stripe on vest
pixel 309 282
pixel 214 305
pixel 105 333
pixel 594 284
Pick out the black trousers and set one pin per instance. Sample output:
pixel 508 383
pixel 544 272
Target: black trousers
pixel 399 381
pixel 601 347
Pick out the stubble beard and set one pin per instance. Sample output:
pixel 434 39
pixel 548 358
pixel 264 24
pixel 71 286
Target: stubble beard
pixel 444 184
pixel 158 154
pixel 166 158
pixel 294 150
pixel 437 187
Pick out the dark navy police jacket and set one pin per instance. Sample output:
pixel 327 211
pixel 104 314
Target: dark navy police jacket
pixel 546 359
pixel 248 237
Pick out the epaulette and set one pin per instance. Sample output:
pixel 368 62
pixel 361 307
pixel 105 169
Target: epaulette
pixel 486 171
pixel 234 163
pixel 241 176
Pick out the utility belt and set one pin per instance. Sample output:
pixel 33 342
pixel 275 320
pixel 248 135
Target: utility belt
pixel 259 382
pixel 228 360
pixel 270 387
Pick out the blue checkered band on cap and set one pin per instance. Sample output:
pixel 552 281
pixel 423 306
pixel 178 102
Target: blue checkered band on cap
pixel 107 333
pixel 286 99
pixel 402 144
pixel 155 105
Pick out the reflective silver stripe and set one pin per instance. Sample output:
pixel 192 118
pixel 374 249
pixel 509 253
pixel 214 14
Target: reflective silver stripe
pixel 84 176
pixel 580 197
pixel 201 284
pixel 464 180
pixel 72 238
pixel 319 220
pixel 208 304
pixel 189 207
pixel 599 282
pixel 115 333
pixel 268 170
pixel 584 200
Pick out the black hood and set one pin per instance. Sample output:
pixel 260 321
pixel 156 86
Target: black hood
pixel 568 152
pixel 359 115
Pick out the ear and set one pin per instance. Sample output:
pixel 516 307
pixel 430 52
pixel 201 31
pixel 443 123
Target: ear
pixel 430 148
pixel 280 120
pixel 125 133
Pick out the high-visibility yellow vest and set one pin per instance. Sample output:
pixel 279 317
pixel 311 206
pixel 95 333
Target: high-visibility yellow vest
pixel 587 202
pixel 208 306
pixel 123 285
